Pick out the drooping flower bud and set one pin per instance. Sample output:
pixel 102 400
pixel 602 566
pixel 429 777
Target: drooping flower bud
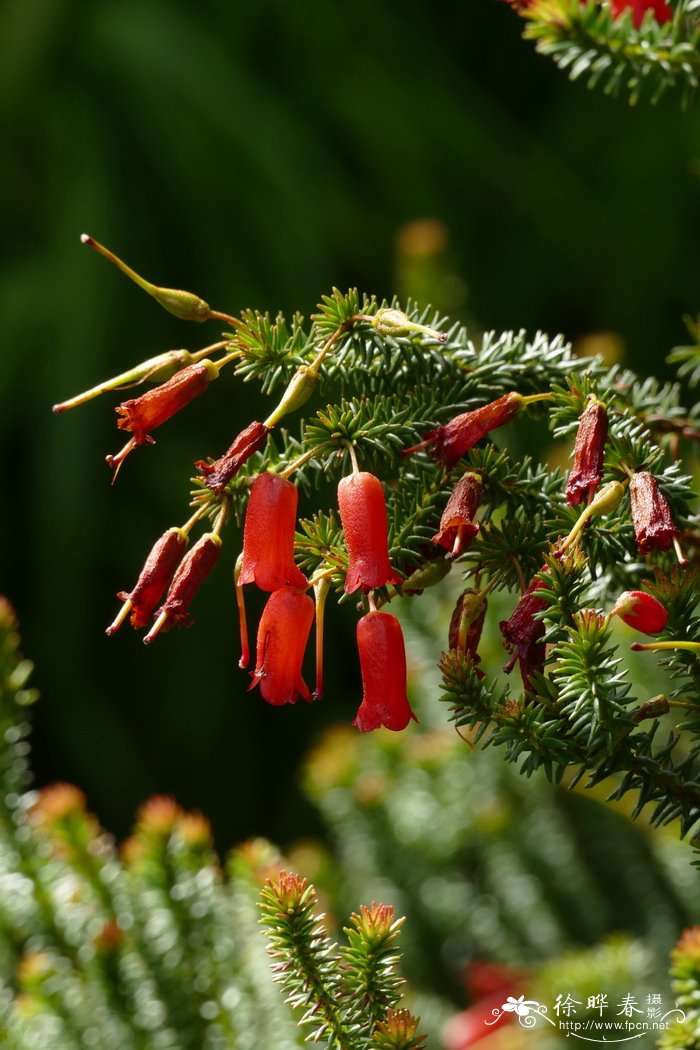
pixel 654 527
pixel 363 516
pixel 522 633
pixel 189 575
pixel 389 321
pixel 142 414
pixel 457 529
pixel 185 305
pixel 282 636
pixel 450 441
pixel 268 535
pixel 587 471
pixel 153 580
pixel 155 370
pixel 219 473
pixel 659 9
pixel 383 665
pixel 642 611
pixel 467 623
pixel 300 388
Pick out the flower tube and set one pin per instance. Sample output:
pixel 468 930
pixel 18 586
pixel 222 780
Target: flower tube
pixel 189 575
pixel 268 535
pixel 363 516
pixel 282 636
pixel 218 474
pixel 450 441
pixel 457 529
pixel 383 664
pixel 140 415
pixel 654 527
pixel 153 580
pixel 522 633
pixel 587 471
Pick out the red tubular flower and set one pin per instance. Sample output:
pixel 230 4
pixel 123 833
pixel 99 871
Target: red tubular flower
pixel 383 664
pixel 191 572
pixel 642 611
pixel 522 633
pixel 142 414
pixel 660 10
pixel 363 516
pixel 654 527
pixel 154 578
pixel 282 636
pixel 219 473
pixel 587 471
pixel 457 529
pixel 452 440
pixel 268 535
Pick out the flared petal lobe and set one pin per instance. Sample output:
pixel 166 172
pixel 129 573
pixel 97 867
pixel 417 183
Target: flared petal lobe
pixel 268 535
pixel 363 516
pixel 383 663
pixel 282 636
pixel 457 529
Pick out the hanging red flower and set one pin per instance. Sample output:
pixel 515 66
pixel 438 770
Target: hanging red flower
pixel 363 516
pixel 642 611
pixel 654 527
pixel 282 636
pixel 140 415
pixel 189 575
pixel 457 529
pixel 587 471
pixel 153 580
pixel 219 473
pixel 383 665
pixel 522 633
pixel 268 535
pixel 450 441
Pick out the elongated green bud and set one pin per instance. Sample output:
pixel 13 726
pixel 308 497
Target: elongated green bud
pixel 606 501
pixel 155 370
pixel 185 305
pixel 301 387
pixel 389 321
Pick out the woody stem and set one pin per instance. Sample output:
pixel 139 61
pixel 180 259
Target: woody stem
pixel 299 462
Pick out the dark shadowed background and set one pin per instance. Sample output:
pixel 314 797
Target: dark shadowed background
pixel 258 154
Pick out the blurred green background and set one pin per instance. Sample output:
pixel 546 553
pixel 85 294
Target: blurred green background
pixel 259 154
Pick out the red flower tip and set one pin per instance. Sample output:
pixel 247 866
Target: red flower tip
pixel 450 441
pixel 587 471
pixel 383 665
pixel 363 516
pixel 282 636
pixel 219 473
pixel 153 580
pixel 654 527
pixel 642 611
pixel 457 529
pixel 268 535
